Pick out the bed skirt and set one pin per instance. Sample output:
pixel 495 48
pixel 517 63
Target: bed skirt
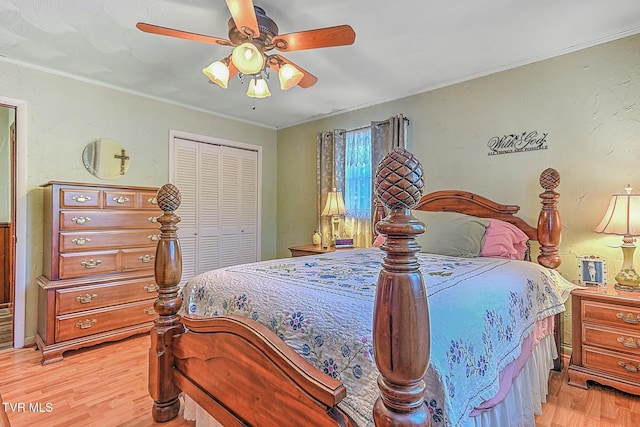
pixel 518 409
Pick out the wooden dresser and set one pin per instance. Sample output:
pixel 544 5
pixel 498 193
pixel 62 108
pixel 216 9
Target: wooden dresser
pixel 605 338
pixel 98 271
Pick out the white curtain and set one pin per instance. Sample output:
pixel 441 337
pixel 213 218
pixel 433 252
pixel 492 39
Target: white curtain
pixel 357 192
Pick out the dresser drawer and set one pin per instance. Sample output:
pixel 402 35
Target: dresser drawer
pixel 135 259
pixel 120 199
pixel 611 315
pixel 148 200
pixel 611 339
pixel 88 263
pixel 73 241
pixel 83 220
pixel 71 300
pixel 79 198
pixel 613 362
pixel 70 326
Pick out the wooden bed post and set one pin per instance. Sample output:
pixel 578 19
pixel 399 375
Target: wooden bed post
pixel 401 338
pixel 168 271
pixel 549 224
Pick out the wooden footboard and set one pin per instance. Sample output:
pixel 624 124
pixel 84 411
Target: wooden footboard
pixel 243 374
pixel 236 369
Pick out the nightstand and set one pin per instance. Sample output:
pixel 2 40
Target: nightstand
pixel 312 250
pixel 606 338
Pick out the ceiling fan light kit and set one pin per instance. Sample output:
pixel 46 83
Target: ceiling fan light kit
pixel 253 34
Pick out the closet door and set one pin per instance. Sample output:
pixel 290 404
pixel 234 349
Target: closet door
pixel 238 208
pixel 185 159
pixel 219 208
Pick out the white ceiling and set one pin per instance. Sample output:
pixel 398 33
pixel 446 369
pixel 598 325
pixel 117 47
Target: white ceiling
pixel 402 47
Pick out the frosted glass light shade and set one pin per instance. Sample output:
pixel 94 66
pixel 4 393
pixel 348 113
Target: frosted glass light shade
pixel 218 73
pixel 258 89
pixel 289 76
pixel 247 58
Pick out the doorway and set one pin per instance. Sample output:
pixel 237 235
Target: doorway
pixel 7 222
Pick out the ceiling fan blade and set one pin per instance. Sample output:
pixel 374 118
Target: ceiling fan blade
pixel 244 15
pixel 163 31
pixel 340 35
pixel 307 81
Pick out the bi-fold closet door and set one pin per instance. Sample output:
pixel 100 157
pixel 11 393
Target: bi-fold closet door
pixel 219 208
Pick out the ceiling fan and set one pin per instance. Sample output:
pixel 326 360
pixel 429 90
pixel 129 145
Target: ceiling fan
pixel 254 35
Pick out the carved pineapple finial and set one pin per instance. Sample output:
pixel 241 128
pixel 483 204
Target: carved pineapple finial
pixel 549 179
pixel 169 198
pixel 399 181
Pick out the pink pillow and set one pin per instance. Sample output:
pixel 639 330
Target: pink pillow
pixel 504 240
pixel 379 241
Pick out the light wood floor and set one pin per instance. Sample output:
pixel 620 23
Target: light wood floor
pixel 107 386
pixel 102 386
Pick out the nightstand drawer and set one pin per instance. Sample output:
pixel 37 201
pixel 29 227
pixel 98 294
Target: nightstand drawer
pixel 611 339
pixel 611 314
pixel 619 364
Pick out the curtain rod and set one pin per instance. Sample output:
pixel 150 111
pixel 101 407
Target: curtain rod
pixel 376 122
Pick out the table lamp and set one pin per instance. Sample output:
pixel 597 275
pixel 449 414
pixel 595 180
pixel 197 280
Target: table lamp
pixel 623 218
pixel 334 208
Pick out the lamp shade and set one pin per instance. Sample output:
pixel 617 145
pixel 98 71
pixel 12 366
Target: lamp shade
pixel 289 76
pixel 258 88
pixel 622 216
pixel 335 204
pixel 247 58
pixel 218 73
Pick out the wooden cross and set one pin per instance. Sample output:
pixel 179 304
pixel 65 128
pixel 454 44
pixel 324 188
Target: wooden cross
pixel 123 157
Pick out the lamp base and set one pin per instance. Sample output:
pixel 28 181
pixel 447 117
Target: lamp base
pixel 626 288
pixel 628 278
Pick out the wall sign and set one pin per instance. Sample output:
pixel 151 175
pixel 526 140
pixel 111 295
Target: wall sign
pixel 516 143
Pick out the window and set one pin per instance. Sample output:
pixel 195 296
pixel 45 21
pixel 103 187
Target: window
pixel 358 192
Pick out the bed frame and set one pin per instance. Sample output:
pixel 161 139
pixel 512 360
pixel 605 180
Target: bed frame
pixel 243 374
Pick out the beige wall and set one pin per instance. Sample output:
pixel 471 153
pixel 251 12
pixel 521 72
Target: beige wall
pixel 65 114
pixel 588 102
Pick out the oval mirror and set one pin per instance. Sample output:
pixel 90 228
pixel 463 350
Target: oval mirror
pixel 105 159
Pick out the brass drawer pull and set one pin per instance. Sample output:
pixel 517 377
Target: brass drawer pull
pixel 85 324
pixel 121 199
pixel 86 298
pixel 152 219
pixel 81 198
pixel 629 367
pixel 149 311
pixel 146 258
pixel 153 237
pixel 91 263
pixel 80 220
pixel 80 241
pixel 629 342
pixel 153 201
pixel 151 288
pixel 629 317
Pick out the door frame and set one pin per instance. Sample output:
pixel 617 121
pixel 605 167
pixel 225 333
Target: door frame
pixel 20 226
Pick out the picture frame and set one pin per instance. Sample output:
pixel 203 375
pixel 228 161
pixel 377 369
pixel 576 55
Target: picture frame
pixel 592 270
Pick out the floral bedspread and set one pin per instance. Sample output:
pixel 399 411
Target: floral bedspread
pixel 322 306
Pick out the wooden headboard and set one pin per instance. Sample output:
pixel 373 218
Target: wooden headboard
pixel 547 233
